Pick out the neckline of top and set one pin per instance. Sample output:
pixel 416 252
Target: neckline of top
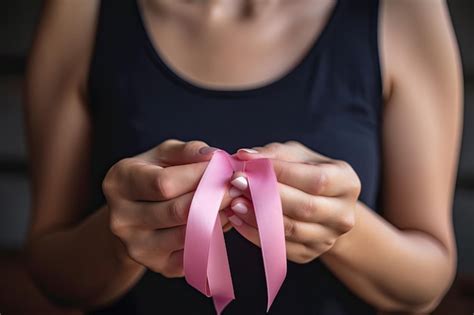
pixel 314 47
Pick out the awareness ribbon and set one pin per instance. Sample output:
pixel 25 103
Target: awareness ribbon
pixel 206 266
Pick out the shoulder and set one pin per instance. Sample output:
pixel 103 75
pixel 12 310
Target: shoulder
pixel 63 42
pixel 418 44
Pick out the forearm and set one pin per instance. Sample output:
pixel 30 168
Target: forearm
pixel 84 265
pixel 390 268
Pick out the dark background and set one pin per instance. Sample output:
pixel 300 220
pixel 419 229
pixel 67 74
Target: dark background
pixel 17 293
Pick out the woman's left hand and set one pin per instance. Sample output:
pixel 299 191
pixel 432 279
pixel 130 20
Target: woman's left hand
pixel 318 197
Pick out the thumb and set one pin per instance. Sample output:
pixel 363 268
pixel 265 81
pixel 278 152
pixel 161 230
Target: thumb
pixel 177 152
pixel 289 151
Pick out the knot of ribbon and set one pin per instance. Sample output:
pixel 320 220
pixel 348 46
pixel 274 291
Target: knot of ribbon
pixel 206 266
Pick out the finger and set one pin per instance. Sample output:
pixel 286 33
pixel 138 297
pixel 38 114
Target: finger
pixel 301 206
pixel 170 239
pixel 227 227
pixel 295 229
pixel 239 181
pixel 163 240
pixel 176 152
pixel 296 205
pixel 248 154
pixel 146 246
pixel 312 179
pixel 307 233
pixel 309 221
pixel 290 151
pixel 148 182
pixel 224 215
pixel 166 214
pixel 331 212
pixel 225 223
pixel 327 179
pixel 299 253
pixel 240 185
pixel 296 252
pixel 247 231
pixel 175 181
pixel 243 208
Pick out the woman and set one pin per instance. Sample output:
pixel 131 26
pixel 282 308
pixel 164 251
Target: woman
pixel 357 103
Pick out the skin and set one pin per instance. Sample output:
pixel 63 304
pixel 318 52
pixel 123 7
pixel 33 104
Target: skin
pixel 402 261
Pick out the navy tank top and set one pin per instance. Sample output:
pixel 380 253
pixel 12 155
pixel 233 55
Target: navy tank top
pixel 331 101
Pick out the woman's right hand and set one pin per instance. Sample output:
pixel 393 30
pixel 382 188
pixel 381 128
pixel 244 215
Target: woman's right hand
pixel 148 197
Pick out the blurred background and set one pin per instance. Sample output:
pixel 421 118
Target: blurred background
pixel 17 293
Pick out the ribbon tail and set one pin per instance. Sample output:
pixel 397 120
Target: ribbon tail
pixel 206 267
pixel 269 215
pixel 218 272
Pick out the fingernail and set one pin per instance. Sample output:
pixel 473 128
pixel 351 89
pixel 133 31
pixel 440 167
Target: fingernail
pixel 240 182
pixel 252 151
pixel 240 208
pixel 234 192
pixel 235 220
pixel 207 150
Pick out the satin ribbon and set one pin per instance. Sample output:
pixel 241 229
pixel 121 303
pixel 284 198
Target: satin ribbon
pixel 206 266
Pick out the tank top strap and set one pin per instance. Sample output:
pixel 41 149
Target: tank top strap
pixel 356 39
pixel 117 41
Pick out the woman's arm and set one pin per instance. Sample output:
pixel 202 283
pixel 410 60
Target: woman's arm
pixel 71 257
pixel 407 259
pixel 78 259
pixel 404 260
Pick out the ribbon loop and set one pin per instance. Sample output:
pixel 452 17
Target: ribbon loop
pixel 206 266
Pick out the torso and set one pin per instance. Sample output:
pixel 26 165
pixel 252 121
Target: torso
pixel 312 76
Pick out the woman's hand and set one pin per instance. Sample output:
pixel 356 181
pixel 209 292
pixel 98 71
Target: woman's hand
pixel 318 197
pixel 149 197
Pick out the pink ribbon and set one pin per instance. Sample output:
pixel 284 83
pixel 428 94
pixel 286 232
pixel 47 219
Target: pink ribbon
pixel 206 266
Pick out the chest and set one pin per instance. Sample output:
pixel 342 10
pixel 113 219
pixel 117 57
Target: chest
pixel 225 46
